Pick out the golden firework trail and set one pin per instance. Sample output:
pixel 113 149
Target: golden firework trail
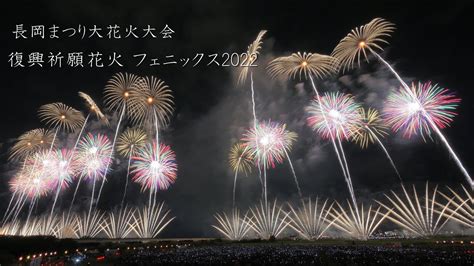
pixel 150 220
pixel 310 219
pixel 268 220
pixel 421 216
pixel 359 225
pixel 234 227
pixel 461 209
pixel 87 225
pixel 119 223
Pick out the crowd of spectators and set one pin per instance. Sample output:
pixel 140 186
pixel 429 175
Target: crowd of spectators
pixel 259 254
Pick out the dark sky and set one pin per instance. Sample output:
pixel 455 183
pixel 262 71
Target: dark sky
pixel 433 41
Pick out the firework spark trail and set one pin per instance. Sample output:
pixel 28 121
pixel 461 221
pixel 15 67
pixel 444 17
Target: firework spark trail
pixel 386 152
pixel 339 151
pixel 268 146
pixel 73 198
pixel 17 207
pixel 346 177
pixel 13 209
pixel 92 201
pixel 32 204
pixel 94 160
pixel 8 207
pixel 37 184
pixel 265 182
pixel 126 179
pixel 294 174
pixel 60 116
pixel 462 210
pixel 73 152
pixel 62 163
pixel 252 53
pixel 235 183
pixel 255 128
pixel 130 140
pixel 111 154
pixel 349 179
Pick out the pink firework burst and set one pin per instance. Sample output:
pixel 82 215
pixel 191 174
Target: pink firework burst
pixel 334 115
pixel 413 113
pixel 93 156
pixel 64 167
pixel 36 177
pixel 267 143
pixel 154 167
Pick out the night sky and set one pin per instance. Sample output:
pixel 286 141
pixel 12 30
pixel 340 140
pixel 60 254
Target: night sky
pixel 433 41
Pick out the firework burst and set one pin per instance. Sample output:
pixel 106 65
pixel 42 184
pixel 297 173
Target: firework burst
pixel 63 168
pixel 302 65
pixel 61 116
pixel 154 167
pixel 94 156
pixel 31 142
pixel 118 89
pixel 352 48
pixel 131 140
pixel 252 55
pixel 413 116
pixel 268 142
pixel 335 115
pixel 233 227
pixel 93 107
pixel 371 128
pixel 37 178
pixel 241 161
pixel 151 102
